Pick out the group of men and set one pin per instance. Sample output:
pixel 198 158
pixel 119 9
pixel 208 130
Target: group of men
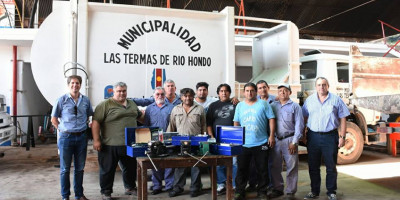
pixel 273 128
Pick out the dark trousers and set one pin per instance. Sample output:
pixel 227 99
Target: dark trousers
pixel 260 155
pixel 109 157
pixel 180 179
pixel 326 146
pixel 253 180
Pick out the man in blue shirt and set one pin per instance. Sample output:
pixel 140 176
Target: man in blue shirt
pixel 157 115
pixel 70 116
pixel 323 113
pixel 289 130
pixel 170 95
pixel 263 94
pixel 259 121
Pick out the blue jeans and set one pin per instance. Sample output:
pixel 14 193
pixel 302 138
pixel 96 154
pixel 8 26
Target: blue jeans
pixel 326 146
pixel 221 173
pixel 166 174
pixel 72 146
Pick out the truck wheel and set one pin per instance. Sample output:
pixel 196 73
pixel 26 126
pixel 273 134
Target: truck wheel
pixel 353 146
pixel 394 118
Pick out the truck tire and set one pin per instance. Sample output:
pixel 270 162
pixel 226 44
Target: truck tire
pixel 353 147
pixel 394 118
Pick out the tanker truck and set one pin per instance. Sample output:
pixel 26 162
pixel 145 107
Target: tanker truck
pixel 143 46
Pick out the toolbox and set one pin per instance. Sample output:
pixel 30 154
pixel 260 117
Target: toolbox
pixel 198 138
pixel 194 139
pixel 137 139
pixel 176 140
pixel 229 140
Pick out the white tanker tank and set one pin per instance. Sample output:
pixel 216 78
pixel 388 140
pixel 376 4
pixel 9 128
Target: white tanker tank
pixel 142 46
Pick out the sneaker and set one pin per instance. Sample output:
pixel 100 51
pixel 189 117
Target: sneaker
pixel 276 193
pixel 239 196
pixel 220 187
pixel 106 197
pixel 221 191
pixel 332 197
pixel 311 195
pixel 131 191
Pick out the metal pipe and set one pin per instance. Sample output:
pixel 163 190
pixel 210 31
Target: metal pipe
pixel 33 13
pixel 15 78
pixel 194 157
pixel 14 89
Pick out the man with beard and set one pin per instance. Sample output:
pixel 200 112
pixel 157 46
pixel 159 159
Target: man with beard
pixel 189 118
pixel 170 95
pixel 202 97
pixel 157 115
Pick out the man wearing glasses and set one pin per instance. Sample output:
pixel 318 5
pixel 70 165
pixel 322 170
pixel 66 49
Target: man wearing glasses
pixel 157 115
pixel 70 116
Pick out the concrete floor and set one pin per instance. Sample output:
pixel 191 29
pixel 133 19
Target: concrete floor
pixel 32 175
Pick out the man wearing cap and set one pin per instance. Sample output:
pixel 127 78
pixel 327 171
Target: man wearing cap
pixel 324 113
pixel 290 125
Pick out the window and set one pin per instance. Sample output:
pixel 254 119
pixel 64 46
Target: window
pixel 308 70
pixel 343 72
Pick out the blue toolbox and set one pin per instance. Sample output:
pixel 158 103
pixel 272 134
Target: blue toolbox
pixel 229 140
pixel 176 140
pixel 137 139
pixel 194 139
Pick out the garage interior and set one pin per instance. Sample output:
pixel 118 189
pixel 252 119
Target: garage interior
pixel 32 172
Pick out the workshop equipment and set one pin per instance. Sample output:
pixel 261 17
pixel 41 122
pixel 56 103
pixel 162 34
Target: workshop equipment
pixel 137 139
pixel 157 149
pixel 229 140
pixel 186 147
